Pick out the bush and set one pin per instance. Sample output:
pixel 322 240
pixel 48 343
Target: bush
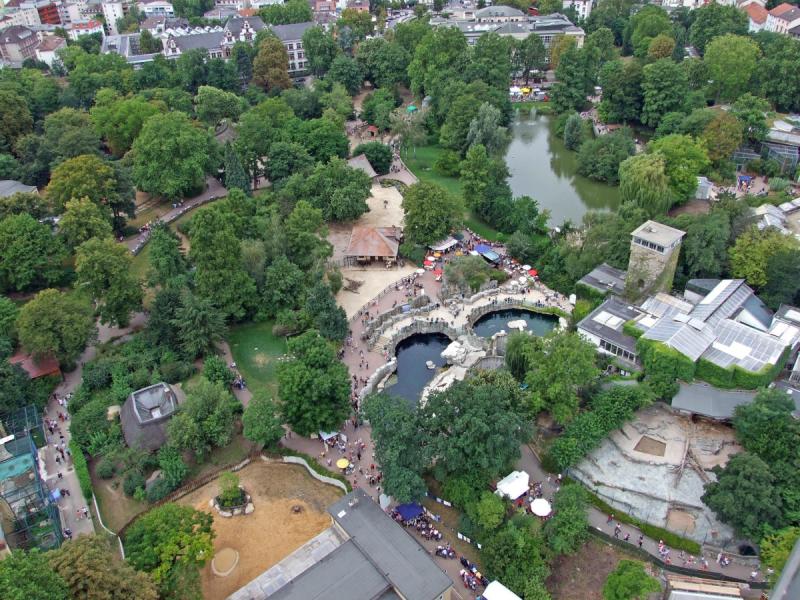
pixel 215 369
pixel 104 469
pixel 97 375
pixel 448 164
pixel 778 184
pixel 230 494
pixel 81 469
pixel 132 482
pixel 158 491
pixel 175 371
pixel 414 253
pixel 663 366
pixel 173 469
pixel 88 421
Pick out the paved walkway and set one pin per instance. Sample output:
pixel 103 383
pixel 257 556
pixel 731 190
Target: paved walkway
pixel 214 190
pixel 70 506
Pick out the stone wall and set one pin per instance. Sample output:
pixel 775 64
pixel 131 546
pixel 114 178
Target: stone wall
pixel 376 377
pixel 296 460
pixel 422 327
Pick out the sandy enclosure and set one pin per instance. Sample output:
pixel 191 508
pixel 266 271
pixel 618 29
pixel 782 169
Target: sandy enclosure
pixel 273 531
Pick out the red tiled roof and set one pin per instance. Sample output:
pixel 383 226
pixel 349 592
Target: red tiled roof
pixel 36 368
pixel 374 242
pixel 781 8
pixel 756 12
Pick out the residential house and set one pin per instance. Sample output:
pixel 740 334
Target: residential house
pixel 603 327
pixel 18 43
pixel 47 50
pixel 152 8
pixel 358 5
pixel 15 14
pixel 782 18
pixel 757 16
pixel 88 28
pixel 583 8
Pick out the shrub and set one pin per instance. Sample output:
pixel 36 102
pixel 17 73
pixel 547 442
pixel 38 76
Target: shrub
pixel 173 469
pixel 448 164
pixel 215 369
pixel 379 156
pixel 132 482
pixel 230 494
pixel 173 372
pixel 104 469
pixel 663 366
pixel 158 491
pixel 81 469
pixel 89 420
pixel 413 252
pixel 97 375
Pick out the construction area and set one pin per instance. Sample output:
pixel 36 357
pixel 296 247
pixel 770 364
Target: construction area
pixel 655 468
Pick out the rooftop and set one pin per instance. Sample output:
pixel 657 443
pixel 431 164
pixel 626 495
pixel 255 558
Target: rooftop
pixel 9 187
pixel 756 12
pixel 144 416
pixel 498 11
pixel 605 278
pixel 291 32
pixel 374 242
pixel 708 401
pixel 660 234
pixel 154 402
pixel 36 368
pixel 402 560
pixel 606 321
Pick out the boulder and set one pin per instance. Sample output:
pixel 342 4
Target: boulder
pixel 225 513
pixel 249 508
pixel 455 353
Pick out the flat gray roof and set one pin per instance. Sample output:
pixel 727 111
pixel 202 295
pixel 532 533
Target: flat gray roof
pixel 402 560
pixel 605 278
pixel 344 573
pixel 9 187
pixel 658 233
pixel 709 401
pixel 606 322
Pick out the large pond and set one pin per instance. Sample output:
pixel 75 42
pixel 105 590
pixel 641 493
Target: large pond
pixel 541 167
pixel 412 375
pixel 493 322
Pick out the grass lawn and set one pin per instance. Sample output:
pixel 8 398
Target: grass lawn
pixel 256 351
pixel 421 164
pixel 233 453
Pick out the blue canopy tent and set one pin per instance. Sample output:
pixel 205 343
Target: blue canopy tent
pixel 487 253
pixel 481 248
pixel 409 511
pixel 744 178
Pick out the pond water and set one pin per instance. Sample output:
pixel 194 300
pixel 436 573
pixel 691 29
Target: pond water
pixel 493 322
pixel 412 374
pixel 541 167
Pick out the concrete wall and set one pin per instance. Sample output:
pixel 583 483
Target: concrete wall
pixel 296 460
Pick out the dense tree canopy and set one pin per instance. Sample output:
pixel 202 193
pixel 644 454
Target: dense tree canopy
pixel 56 324
pixel 431 213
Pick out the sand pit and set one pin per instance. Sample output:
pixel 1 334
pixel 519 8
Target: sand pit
pixel 681 521
pixel 375 279
pixel 648 445
pixel 272 532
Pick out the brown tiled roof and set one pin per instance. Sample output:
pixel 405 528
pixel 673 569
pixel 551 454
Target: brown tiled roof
pixel 756 12
pixel 51 42
pixel 36 368
pixel 374 242
pixel 781 8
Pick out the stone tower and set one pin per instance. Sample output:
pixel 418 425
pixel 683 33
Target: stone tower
pixel 654 256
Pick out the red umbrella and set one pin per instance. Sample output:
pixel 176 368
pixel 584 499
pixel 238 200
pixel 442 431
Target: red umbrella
pixel 533 272
pixel 428 263
pixel 437 272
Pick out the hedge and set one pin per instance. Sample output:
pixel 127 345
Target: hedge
pixel 81 469
pixel 629 328
pixel 585 292
pixel 663 366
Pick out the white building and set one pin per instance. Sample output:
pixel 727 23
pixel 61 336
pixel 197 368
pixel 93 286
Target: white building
pixel 757 16
pixel 782 18
pixel 582 7
pixel 112 12
pixel 156 8
pixel 80 29
pixel 48 48
pixel 26 17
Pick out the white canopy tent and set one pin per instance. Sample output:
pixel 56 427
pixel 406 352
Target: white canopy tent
pixel 513 485
pixel 445 244
pixel 497 591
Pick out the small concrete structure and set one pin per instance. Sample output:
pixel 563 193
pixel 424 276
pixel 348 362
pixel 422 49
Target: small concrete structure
pixel 145 414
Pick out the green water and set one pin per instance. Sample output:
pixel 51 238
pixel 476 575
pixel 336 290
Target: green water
pixel 541 167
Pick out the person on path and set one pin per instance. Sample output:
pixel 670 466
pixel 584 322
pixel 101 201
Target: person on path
pixel 617 529
pixel 641 540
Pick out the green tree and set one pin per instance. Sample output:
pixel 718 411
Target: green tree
pixel 119 120
pixel 629 581
pixel 314 387
pixel 258 129
pixel 86 176
pixel 215 369
pixel 337 189
pixel 569 91
pixel 722 136
pixel 385 63
pixel 173 469
pixel 528 55
pixel 558 46
pixel 714 20
pixel 348 72
pixel 745 496
pixel 513 555
pixel 68 133
pixel 599 158
pixel 171 542
pixel 490 511
pixel 212 105
pixel 622 91
pixel 783 278
pixel 172 156
pixel 775 549
pixel 559 365
pixel 305 236
pixel 360 23
pixel 569 527
pixel 379 156
pixel 766 428
pixel 199 325
pixel 15 119
pixel 8 318
pixel 646 25
pixel 731 61
pixel 440 56
pixel 684 160
pixel 752 251
pixel 664 87
pixel 262 424
pixel 536 590
pixel 83 220
pixel 103 268
pixel 56 324
pixel 377 108
pixel 751 112
pixel 204 420
pixel 92 571
pixel 293 11
pixel 486 129
pixel 29 254
pixel 28 576
pixel 705 247
pixel 661 46
pixel 235 176
pixel 431 213
pixel 285 159
pixel 491 60
pixel 573 132
pixel 322 139
pixel 468 273
pixel 320 49
pixel 643 182
pixel 328 317
pixel 166 261
pixel 778 77
pixel 271 65
pixel 216 254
